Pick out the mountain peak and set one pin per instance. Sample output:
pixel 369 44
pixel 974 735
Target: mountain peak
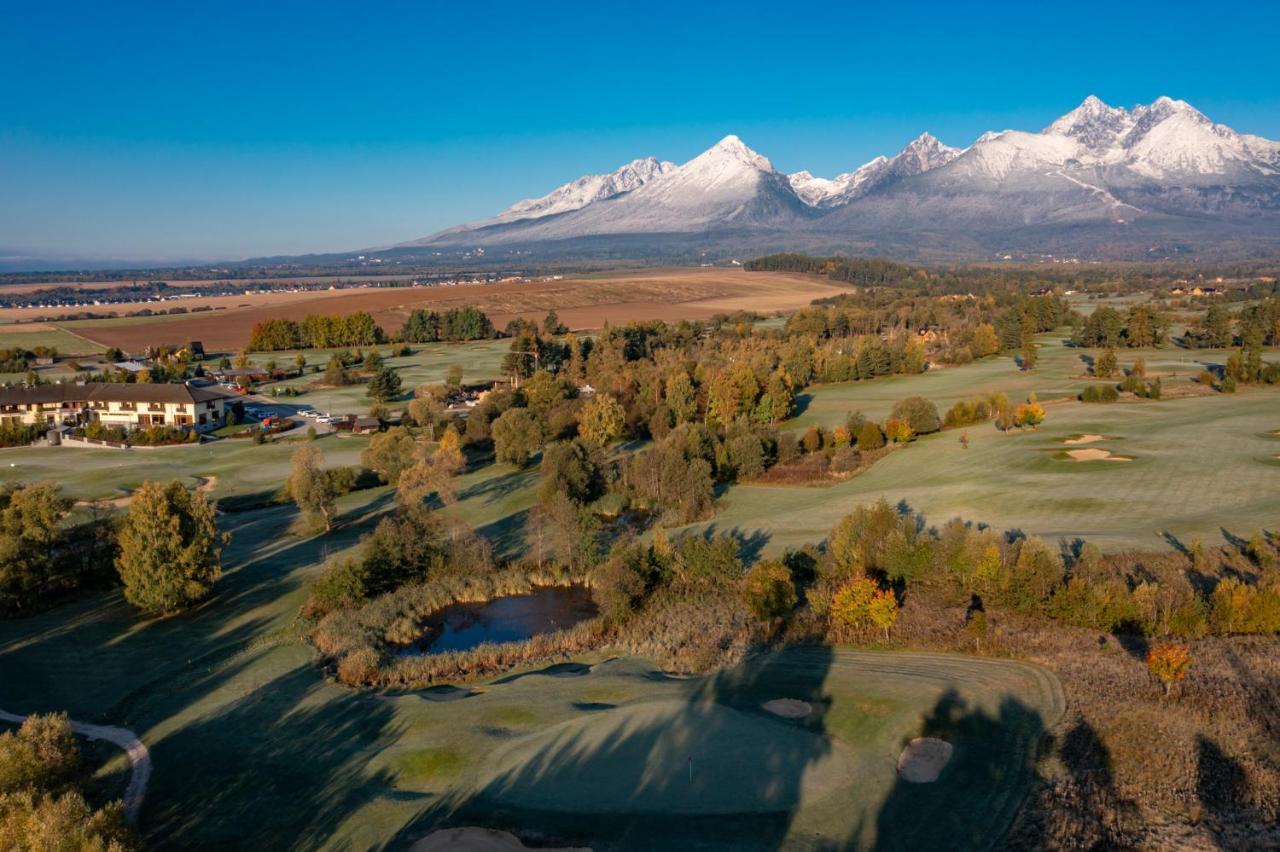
pixel 734 148
pixel 588 189
pixel 921 154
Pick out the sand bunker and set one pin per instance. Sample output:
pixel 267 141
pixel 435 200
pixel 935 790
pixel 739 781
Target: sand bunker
pixel 923 760
pixel 788 708
pixel 477 840
pixel 1095 454
pixel 1084 439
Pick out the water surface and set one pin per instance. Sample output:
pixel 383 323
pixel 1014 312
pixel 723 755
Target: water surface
pixel 514 618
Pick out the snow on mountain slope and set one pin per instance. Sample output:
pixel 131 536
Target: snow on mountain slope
pixel 728 184
pixel 920 155
pixel 1094 124
pixel 996 157
pixel 1097 168
pixel 588 189
pixel 814 190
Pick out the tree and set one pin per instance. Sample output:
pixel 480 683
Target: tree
pixel 976 628
pixel 1028 341
pixel 619 585
pixel 919 413
pixel 1029 414
pixel 1169 662
pixel 985 341
pixel 861 603
pixel 516 437
pixel 601 420
pixel 882 611
pixel 335 373
pixel 41 805
pixel 681 398
pixel 1105 366
pixel 898 431
pixel 40 755
pixel 453 376
pixel 389 453
pixel 870 437
pixel 316 490
pixel 30 537
pixel 768 590
pixel 170 548
pixel 433 474
pixel 385 385
pixel 551 325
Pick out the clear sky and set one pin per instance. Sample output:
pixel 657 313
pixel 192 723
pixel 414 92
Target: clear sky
pixel 175 130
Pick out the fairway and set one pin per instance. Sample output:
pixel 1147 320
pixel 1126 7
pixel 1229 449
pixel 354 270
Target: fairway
pixel 656 762
pixel 227 699
pixel 1180 480
pixel 1061 372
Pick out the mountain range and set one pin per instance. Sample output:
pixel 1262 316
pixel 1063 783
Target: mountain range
pixel 1100 182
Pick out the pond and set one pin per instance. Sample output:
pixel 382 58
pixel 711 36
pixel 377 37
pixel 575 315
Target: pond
pixel 463 626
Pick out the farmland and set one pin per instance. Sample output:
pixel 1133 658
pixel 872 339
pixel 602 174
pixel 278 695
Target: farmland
pixel 582 303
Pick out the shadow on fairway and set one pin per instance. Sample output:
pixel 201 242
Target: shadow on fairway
pixel 974 801
pixel 710 769
pixel 280 768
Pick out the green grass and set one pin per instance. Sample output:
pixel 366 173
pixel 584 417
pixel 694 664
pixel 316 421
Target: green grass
pixel 1060 373
pixel 480 361
pixel 242 468
pixel 254 748
pixel 1199 464
pixel 429 764
pixel 66 344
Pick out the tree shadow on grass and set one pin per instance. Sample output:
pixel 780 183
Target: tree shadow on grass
pixel 1225 792
pixel 497 488
pixel 979 792
pixel 507 534
pixel 280 768
pixel 708 768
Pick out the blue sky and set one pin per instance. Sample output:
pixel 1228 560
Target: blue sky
pixel 225 130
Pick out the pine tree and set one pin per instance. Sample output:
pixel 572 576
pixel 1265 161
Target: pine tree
pixel 170 548
pixel 385 385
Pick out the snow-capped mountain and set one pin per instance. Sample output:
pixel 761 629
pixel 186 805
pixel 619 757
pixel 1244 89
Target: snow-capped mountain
pixel 921 155
pixel 1099 176
pixel 588 189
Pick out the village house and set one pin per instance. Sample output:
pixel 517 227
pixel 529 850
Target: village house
pixel 131 406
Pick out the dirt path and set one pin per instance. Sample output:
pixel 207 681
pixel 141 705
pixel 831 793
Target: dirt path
pixel 139 758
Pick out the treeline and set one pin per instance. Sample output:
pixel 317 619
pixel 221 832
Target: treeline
pixel 1201 592
pixel 1025 277
pixel 872 272
pixel 166 550
pixel 359 329
pixel 454 325
pixel 16 359
pixel 316 332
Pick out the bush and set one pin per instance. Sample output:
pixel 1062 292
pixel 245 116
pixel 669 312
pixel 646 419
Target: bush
pixel 768 590
pixel 919 413
pixel 870 437
pixel 1100 393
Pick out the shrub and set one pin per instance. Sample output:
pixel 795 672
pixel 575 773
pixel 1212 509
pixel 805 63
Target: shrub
pixel 1100 393
pixel 870 437
pixel 1169 663
pixel 768 590
pixel 919 413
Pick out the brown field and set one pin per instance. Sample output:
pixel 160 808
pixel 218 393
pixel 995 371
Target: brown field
pixel 581 303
